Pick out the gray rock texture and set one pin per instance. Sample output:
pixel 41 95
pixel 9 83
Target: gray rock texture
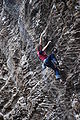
pixel 26 91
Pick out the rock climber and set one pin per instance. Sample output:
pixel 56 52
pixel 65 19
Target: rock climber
pixel 49 61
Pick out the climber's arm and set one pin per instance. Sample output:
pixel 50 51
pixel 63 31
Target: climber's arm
pixel 44 48
pixel 40 43
pixel 41 37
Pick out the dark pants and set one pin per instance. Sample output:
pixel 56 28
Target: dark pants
pixel 50 61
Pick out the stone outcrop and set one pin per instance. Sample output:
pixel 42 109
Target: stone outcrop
pixel 26 91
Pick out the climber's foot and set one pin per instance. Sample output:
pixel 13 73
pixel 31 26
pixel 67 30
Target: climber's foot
pixel 58 77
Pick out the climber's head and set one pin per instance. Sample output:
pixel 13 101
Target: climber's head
pixel 38 47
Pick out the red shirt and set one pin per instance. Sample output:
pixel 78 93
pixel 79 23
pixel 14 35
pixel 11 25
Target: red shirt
pixel 41 54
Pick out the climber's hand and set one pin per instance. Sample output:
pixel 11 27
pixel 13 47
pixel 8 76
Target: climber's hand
pixel 49 42
pixel 43 33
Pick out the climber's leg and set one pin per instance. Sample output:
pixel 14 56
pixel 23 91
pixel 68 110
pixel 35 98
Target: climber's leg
pixel 53 59
pixel 48 63
pixel 56 70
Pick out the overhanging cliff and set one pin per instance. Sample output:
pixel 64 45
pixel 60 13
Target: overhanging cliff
pixel 27 92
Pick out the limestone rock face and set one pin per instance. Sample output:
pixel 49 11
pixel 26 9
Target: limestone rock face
pixel 26 91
